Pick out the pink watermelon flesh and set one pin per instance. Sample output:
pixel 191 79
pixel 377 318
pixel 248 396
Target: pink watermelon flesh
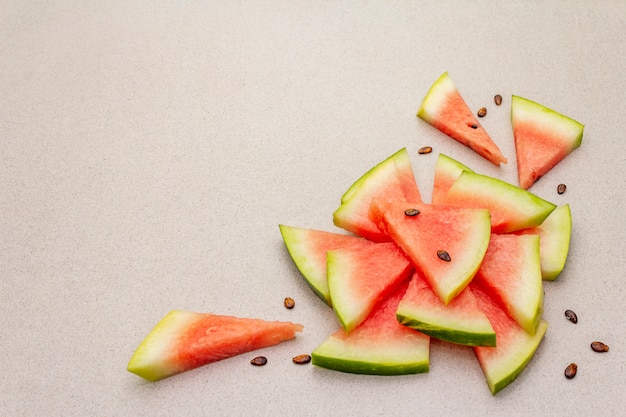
pixel 515 347
pixel 462 232
pixel 392 178
pixel 444 108
pixel 378 346
pixel 185 340
pixel 461 321
pixel 511 274
pixel 308 247
pixel 543 138
pixel 360 277
pixel 447 170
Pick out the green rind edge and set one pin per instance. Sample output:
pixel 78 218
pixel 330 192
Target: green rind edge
pixel 456 336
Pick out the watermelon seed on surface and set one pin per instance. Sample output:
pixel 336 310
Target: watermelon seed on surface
pixel 570 371
pixel 443 255
pixel 571 316
pixel 301 359
pixel 599 347
pixel 424 150
pixel 497 99
pixel 482 112
pixel 259 361
pixel 411 212
pixel 289 303
pixel 561 188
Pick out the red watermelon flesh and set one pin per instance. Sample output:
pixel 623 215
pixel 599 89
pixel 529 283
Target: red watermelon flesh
pixel 185 340
pixel 359 278
pixel 447 170
pixel 308 247
pixel 543 138
pixel 511 274
pixel 378 346
pixel 461 321
pixel 392 178
pixel 444 108
pixel 461 232
pixel 515 347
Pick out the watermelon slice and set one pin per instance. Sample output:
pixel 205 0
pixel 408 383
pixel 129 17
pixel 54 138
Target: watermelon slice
pixel 447 170
pixel 378 346
pixel 360 277
pixel 505 362
pixel 185 340
pixel 511 274
pixel 308 247
pixel 463 233
pixel 392 178
pixel 555 233
pixel 511 207
pixel 444 108
pixel 461 321
pixel 543 138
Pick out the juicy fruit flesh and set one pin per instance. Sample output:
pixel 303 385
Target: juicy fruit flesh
pixel 444 108
pixel 185 340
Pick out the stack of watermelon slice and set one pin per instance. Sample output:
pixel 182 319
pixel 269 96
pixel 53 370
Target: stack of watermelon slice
pixel 467 268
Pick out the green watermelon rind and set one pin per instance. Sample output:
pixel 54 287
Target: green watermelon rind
pixel 393 359
pixel 449 330
pixel 502 374
pixel 524 209
pixel 446 168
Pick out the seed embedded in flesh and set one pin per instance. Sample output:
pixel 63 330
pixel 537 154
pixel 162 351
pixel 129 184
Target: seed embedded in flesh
pixel 301 359
pixel 497 99
pixel 425 150
pixel 571 316
pixel 443 255
pixel 259 361
pixel 482 112
pixel 473 126
pixel 599 347
pixel 570 371
pixel 411 212
pixel 561 188
pixel 289 303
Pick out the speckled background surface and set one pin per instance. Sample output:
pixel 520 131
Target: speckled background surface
pixel 149 150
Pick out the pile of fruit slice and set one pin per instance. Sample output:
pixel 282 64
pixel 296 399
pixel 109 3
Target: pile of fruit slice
pixel 468 268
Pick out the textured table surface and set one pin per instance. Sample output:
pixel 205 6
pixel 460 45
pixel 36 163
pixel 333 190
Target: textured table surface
pixel 149 150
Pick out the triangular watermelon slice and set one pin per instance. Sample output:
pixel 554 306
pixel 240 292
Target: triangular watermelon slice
pixel 308 248
pixel 511 274
pixel 515 347
pixel 461 321
pixel 447 170
pixel 555 234
pixel 378 346
pixel 444 108
pixel 458 233
pixel 392 178
pixel 543 137
pixel 360 277
pixel 511 207
pixel 185 340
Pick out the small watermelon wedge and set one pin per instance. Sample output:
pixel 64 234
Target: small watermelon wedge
pixel 511 274
pixel 447 170
pixel 434 233
pixel 461 321
pixel 185 340
pixel 515 347
pixel 308 247
pixel 361 277
pixel 391 178
pixel 378 346
pixel 543 138
pixel 445 109
pixel 511 207
pixel 555 234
